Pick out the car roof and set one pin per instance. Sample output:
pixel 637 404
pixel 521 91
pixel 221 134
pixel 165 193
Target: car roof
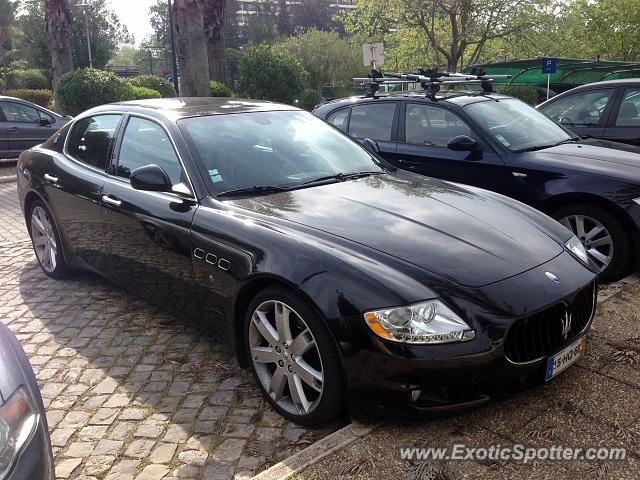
pixel 608 83
pixel 176 108
pixel 455 97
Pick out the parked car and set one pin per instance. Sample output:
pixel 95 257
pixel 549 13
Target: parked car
pixel 24 124
pixel 609 110
pixel 25 447
pixel 501 144
pixel 332 274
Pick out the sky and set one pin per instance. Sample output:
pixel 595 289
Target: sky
pixel 135 15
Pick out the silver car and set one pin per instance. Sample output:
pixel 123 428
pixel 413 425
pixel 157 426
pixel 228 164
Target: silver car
pixel 24 125
pixel 25 446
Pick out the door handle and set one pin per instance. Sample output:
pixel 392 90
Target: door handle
pixel 50 178
pixel 111 201
pixel 518 174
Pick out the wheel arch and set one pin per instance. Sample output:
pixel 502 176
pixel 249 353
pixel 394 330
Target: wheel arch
pixel 557 201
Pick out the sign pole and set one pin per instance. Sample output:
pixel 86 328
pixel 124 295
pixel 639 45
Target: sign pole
pixel 548 80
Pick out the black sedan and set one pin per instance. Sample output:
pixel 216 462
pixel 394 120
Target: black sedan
pixel 608 110
pixel 24 124
pixel 331 274
pixel 25 447
pixel 501 144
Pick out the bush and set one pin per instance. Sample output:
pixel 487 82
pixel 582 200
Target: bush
pixel 31 79
pixel 80 90
pixel 219 89
pixel 153 82
pixel 525 93
pixel 40 97
pixel 142 93
pixel 270 73
pixel 308 99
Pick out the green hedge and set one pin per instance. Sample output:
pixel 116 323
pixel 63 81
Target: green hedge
pixel 219 89
pixel 80 90
pixel 30 79
pixel 42 97
pixel 308 99
pixel 525 93
pixel 142 93
pixel 153 82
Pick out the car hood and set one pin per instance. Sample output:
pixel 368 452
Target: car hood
pixel 608 158
pixel 444 228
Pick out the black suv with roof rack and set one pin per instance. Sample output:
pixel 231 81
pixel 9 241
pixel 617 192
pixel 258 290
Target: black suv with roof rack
pixel 501 144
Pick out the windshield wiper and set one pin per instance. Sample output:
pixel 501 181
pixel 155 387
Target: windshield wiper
pixel 549 145
pixel 341 177
pixel 257 189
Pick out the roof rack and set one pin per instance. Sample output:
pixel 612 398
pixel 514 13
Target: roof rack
pixel 429 79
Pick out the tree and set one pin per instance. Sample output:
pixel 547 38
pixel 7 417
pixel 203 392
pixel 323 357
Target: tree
pixel 270 73
pixel 192 48
pixel 7 19
pixel 456 30
pixel 327 58
pixel 216 40
pixel 59 31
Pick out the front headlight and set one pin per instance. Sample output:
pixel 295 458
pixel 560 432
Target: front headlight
pixel 18 420
pixel 637 200
pixel 576 247
pixel 423 323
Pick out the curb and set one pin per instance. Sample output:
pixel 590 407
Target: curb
pixel 8 179
pixel 316 452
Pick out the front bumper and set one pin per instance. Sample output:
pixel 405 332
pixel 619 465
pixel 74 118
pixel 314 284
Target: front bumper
pixel 395 380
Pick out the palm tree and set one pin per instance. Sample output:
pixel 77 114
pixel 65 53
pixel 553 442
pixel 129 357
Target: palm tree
pixel 192 48
pixel 214 29
pixel 58 26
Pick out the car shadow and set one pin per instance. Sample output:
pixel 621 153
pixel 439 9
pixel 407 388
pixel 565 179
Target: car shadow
pixel 127 384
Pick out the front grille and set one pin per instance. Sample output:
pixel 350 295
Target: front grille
pixel 541 335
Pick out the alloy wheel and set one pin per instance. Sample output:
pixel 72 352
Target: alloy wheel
pixel 594 236
pixel 285 357
pixel 44 239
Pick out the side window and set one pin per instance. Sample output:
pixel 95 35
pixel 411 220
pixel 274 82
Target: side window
pixel 90 139
pixel 19 113
pixel 146 143
pixel 432 126
pixel 582 109
pixel 629 109
pixel 372 121
pixel 339 119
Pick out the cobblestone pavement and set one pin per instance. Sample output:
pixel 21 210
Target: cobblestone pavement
pixel 132 392
pixel 12 227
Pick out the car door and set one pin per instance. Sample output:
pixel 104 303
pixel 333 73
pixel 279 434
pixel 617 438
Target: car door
pixel 73 184
pixel 624 124
pixel 26 126
pixel 148 233
pixel 4 136
pixel 584 112
pixel 374 120
pixel 425 130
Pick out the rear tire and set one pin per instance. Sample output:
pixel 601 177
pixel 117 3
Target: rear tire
pixel 293 357
pixel 46 241
pixel 603 235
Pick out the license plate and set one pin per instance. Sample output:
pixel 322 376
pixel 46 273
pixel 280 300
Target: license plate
pixel 566 357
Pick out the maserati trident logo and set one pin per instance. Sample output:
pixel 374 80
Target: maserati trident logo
pixel 552 276
pixel 566 324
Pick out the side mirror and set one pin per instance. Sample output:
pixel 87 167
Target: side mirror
pixel 44 122
pixel 371 145
pixel 462 143
pixel 150 178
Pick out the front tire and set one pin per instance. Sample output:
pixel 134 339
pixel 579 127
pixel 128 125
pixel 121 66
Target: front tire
pixel 293 358
pixel 46 241
pixel 603 236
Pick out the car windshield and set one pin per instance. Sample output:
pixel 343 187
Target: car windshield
pixel 277 149
pixel 516 125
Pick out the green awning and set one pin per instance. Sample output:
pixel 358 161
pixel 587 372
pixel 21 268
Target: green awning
pixel 570 72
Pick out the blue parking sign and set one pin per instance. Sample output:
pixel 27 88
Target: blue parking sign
pixel 549 65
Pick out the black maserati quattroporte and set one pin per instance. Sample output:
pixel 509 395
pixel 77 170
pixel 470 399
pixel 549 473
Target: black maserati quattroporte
pixel 337 279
